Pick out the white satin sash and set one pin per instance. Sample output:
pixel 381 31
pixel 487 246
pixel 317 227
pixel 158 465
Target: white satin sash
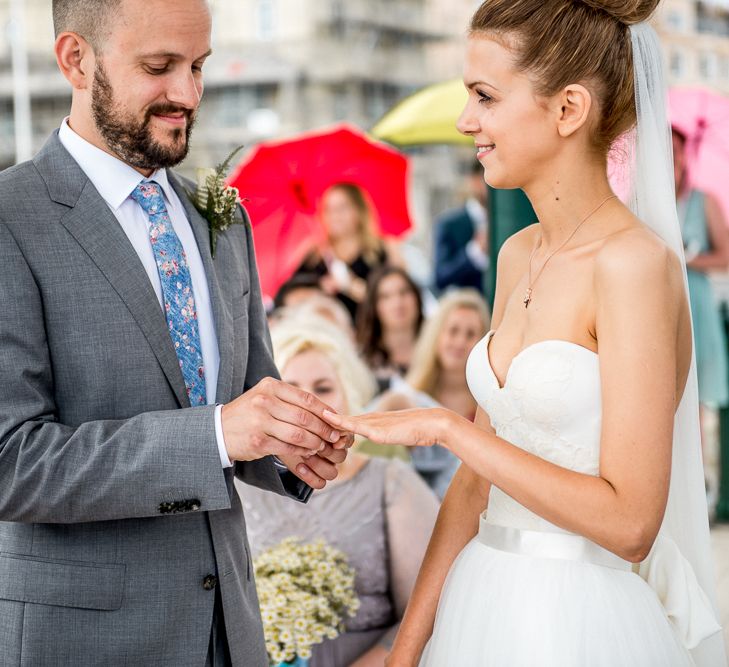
pixel 665 570
pixel 542 544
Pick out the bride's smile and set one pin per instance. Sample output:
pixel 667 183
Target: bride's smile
pixel 570 503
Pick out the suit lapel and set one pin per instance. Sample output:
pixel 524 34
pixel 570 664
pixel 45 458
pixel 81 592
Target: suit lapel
pixel 99 233
pixel 221 307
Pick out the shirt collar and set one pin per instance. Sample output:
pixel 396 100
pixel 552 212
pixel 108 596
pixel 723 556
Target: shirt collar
pixel 476 210
pixel 113 179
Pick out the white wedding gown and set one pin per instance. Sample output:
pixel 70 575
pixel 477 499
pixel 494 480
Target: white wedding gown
pixel 526 593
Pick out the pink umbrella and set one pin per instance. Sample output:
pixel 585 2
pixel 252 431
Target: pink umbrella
pixel 703 116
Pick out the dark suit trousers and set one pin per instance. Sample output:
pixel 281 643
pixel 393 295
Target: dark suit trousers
pixel 218 654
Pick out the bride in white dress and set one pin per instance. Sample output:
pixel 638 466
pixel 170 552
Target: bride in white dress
pixel 575 532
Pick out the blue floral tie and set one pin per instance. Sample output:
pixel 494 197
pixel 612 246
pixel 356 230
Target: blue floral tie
pixel 177 294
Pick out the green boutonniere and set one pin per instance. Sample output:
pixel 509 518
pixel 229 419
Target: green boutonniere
pixel 216 201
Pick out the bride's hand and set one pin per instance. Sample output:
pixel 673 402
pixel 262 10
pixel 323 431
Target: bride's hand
pixel 414 428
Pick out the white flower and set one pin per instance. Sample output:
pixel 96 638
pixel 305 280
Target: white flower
pixel 305 591
pixel 269 617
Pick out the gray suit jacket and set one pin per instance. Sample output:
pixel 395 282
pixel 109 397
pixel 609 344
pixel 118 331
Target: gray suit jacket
pixel 114 507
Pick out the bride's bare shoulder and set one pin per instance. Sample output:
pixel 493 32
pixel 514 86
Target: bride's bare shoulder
pixel 637 257
pixel 515 251
pixel 640 294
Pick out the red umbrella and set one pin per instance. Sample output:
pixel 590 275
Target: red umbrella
pixel 703 116
pixel 283 182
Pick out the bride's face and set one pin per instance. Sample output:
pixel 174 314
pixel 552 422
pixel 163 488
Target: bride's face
pixel 514 130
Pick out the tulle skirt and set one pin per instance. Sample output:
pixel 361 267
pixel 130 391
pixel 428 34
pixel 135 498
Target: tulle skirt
pixel 506 609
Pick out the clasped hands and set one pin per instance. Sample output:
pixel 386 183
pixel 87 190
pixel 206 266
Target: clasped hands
pixel 418 427
pixel 274 418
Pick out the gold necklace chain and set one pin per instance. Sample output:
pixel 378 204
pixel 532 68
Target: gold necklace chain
pixel 530 283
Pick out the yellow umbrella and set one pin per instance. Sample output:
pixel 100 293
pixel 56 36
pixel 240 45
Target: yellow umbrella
pixel 428 116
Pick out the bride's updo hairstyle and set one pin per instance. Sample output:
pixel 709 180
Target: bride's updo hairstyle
pixel 573 41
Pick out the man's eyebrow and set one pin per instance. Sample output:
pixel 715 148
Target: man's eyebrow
pixel 172 55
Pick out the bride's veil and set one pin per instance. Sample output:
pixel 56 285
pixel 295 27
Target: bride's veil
pixel 653 201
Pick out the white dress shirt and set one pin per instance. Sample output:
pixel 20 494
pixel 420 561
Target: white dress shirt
pixel 115 181
pixel 479 217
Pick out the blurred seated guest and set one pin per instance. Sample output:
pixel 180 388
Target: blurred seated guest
pixel 388 323
pixel 437 375
pixel 378 511
pixel 297 289
pixel 331 309
pixel 706 241
pixel 439 363
pixel 352 248
pixel 461 239
pixel 317 305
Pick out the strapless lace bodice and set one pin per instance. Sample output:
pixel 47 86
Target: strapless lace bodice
pixel 550 406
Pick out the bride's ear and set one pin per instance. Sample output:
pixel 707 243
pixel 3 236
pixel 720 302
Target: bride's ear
pixel 573 108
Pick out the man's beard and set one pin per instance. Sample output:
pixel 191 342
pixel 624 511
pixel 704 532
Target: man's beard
pixel 132 140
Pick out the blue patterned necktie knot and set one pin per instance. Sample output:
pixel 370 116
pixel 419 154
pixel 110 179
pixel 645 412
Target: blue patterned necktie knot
pixel 177 292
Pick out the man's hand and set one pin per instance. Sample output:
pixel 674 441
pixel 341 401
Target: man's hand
pixel 319 469
pixel 276 418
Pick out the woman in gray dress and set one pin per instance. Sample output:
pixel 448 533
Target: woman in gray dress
pixel 378 511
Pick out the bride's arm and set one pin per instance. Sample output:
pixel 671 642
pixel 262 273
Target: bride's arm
pixel 641 316
pixel 457 523
pixel 462 505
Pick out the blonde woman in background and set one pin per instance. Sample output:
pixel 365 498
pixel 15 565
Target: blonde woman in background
pixel 317 305
pixel 378 512
pixel 352 249
pixel 437 375
pixel 439 361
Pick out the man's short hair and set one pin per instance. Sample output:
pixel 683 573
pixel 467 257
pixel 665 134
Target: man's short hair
pixel 88 18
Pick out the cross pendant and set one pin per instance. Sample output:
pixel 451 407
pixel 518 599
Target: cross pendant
pixel 528 297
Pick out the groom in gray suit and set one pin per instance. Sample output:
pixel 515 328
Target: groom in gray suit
pixel 136 378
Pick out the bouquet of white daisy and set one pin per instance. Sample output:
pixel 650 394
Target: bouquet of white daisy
pixel 305 592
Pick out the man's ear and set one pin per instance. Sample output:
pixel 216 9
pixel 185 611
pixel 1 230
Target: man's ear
pixel 75 59
pixel 574 102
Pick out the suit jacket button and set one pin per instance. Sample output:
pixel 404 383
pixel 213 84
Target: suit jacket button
pixel 210 582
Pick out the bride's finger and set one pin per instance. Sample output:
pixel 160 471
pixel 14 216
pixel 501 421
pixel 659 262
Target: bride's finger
pixel 333 418
pixel 345 423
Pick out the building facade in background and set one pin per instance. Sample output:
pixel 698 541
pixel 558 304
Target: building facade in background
pixel 279 67
pixel 285 66
pixel 695 36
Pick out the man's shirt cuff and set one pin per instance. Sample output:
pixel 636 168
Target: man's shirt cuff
pixel 224 460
